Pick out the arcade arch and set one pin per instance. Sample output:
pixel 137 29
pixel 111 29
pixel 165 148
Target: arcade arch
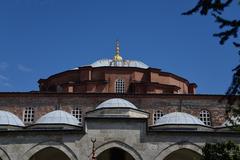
pixel 114 147
pixel 114 153
pixel 183 154
pixel 49 148
pixel 50 153
pixel 182 149
pixel 3 155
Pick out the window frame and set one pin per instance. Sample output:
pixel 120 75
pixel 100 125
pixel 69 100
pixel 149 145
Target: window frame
pixel 205 117
pixel 28 114
pixel 119 86
pixel 77 113
pixel 157 114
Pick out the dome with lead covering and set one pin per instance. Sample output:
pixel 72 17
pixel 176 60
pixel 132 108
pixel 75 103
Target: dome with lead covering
pixel 123 63
pixel 179 118
pixel 58 117
pixel 118 61
pixel 8 118
pixel 116 103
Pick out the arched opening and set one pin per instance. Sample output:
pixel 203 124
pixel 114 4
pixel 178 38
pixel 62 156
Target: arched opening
pixel 3 155
pixel 183 154
pixel 50 153
pixel 114 154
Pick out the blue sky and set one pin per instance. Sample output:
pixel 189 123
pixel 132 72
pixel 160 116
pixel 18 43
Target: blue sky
pixel 41 37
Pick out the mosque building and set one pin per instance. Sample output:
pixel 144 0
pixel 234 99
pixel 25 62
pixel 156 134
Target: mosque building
pixel 112 109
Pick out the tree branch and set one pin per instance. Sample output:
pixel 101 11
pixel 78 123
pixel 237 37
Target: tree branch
pixel 206 5
pixel 225 35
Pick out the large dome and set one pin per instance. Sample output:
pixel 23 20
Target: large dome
pixel 116 103
pixel 8 118
pixel 123 63
pixel 179 118
pixel 58 117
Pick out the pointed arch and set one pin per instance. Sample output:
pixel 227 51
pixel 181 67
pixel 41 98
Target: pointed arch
pixel 4 155
pixel 50 144
pixel 177 146
pixel 117 144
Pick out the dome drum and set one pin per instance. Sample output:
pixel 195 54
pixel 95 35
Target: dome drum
pixel 102 80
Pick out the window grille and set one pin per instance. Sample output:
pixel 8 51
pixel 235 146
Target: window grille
pixel 157 114
pixel 205 117
pixel 28 115
pixel 119 86
pixel 76 112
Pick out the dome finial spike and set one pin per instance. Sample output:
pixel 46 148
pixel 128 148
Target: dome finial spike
pixel 117 49
pixel 117 56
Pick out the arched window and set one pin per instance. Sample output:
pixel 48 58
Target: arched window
pixel 77 112
pixel 28 115
pixel 119 86
pixel 156 115
pixel 205 117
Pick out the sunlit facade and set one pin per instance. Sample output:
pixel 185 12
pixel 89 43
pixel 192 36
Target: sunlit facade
pixel 112 109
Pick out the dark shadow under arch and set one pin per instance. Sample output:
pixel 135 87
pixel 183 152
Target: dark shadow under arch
pixel 47 144
pixel 177 146
pixel 114 154
pixel 121 145
pixel 183 154
pixel 50 153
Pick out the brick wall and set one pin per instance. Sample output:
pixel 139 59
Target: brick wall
pixel 46 102
pixel 90 80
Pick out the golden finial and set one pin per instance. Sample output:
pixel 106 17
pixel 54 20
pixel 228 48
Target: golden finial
pixel 117 56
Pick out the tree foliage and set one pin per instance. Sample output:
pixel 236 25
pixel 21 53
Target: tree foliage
pixel 204 6
pixel 221 151
pixel 229 30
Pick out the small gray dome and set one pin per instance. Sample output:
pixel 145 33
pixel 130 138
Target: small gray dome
pixel 8 118
pixel 123 63
pixel 58 117
pixel 178 118
pixel 116 103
